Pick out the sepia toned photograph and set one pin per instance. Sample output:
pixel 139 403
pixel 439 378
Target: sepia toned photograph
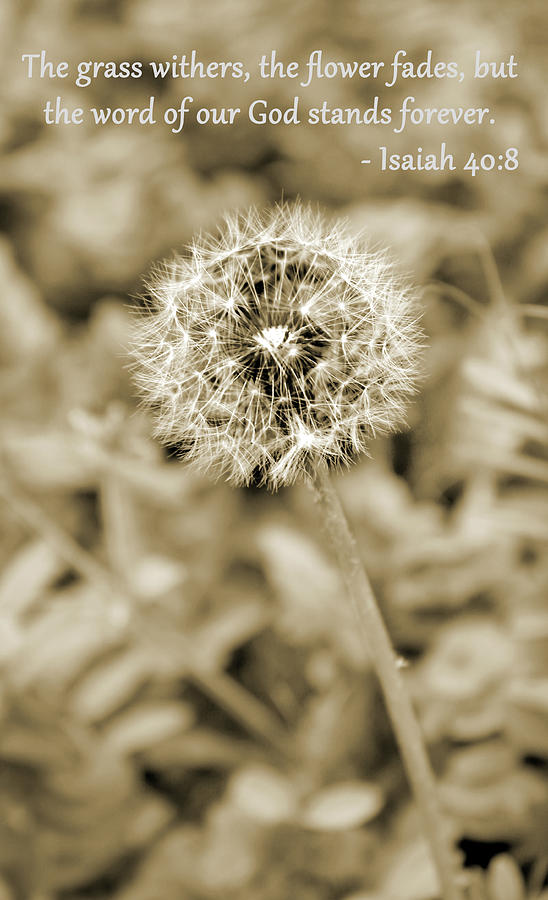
pixel 273 450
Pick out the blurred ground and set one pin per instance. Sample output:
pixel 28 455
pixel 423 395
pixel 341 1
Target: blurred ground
pixel 184 711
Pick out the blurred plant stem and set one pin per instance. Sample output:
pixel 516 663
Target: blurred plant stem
pixel 404 722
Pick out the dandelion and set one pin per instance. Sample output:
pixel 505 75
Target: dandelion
pixel 279 343
pixel 280 348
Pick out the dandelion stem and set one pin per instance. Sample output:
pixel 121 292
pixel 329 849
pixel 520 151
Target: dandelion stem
pixel 404 722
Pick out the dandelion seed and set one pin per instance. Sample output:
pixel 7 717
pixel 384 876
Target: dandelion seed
pixel 277 344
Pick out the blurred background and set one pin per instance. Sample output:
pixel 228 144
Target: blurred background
pixel 185 714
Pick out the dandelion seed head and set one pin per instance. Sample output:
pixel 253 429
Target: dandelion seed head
pixel 276 344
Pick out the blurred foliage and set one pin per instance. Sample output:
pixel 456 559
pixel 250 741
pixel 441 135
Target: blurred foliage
pixel 186 714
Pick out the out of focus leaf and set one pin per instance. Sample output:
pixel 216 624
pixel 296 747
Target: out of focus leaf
pixel 416 232
pixel 504 879
pixel 344 805
pixel 412 874
pixel 505 386
pixel 110 684
pixel 308 590
pixel 364 895
pixel 50 459
pixel 463 679
pixel 528 715
pixel 27 576
pixel 151 817
pixel 146 724
pixel 100 775
pixel 27 327
pixel 230 628
pixel 481 763
pixel 28 747
pixel 69 634
pixel 200 748
pixel 156 575
pixel 263 794
pixel 500 810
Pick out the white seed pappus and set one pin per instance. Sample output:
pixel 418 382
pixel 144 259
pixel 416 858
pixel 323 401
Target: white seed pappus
pixel 278 343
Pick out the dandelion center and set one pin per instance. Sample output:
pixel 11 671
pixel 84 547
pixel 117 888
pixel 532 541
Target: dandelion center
pixel 272 338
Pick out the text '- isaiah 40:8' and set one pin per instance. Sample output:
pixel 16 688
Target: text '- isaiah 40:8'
pixel 443 160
